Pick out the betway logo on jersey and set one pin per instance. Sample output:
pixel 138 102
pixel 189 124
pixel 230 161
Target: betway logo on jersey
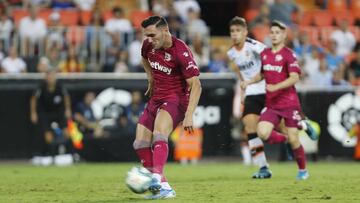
pixel 268 67
pixel 157 66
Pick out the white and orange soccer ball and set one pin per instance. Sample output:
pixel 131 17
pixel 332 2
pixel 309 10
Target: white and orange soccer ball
pixel 138 179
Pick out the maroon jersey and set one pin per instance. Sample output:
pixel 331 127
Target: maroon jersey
pixel 276 67
pixel 170 68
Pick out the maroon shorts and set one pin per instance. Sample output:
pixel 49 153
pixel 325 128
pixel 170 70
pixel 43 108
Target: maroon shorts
pixel 176 111
pixel 291 116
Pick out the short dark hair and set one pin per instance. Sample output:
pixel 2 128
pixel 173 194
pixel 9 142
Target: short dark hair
pixel 278 24
pixel 117 10
pixel 158 21
pixel 238 21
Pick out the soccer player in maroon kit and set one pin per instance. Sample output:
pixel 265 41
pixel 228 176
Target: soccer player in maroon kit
pixel 281 71
pixel 174 89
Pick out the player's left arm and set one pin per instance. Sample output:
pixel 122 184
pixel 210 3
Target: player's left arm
pixel 194 85
pixel 290 81
pixel 67 103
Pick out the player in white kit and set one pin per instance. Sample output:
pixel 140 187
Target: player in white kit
pixel 246 63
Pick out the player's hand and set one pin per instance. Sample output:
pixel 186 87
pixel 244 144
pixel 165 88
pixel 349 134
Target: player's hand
pixel 188 123
pixel 149 90
pixel 271 88
pixel 244 84
pixel 34 118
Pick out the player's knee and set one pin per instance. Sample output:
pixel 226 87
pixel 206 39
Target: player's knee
pixel 294 141
pixel 250 129
pixel 138 144
pixel 160 138
pixel 263 132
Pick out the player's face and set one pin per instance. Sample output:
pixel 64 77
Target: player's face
pixel 238 33
pixel 277 35
pixel 155 36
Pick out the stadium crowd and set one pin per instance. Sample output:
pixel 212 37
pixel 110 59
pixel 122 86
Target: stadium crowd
pixel 83 36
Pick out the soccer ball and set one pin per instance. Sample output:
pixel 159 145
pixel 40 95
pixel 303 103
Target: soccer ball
pixel 138 179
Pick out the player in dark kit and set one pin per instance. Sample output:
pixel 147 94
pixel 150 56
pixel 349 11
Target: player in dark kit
pixel 50 105
pixel 281 71
pixel 174 90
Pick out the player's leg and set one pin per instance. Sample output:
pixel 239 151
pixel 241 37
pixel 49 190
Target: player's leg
pixel 265 129
pixel 298 152
pixel 142 146
pixel 291 122
pixel 163 126
pixel 256 146
pixel 142 143
pixel 305 124
pixel 238 111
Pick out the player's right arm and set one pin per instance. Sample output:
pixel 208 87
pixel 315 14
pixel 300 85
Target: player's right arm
pixel 258 77
pixel 235 69
pixel 149 75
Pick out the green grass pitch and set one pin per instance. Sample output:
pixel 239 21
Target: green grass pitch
pixel 205 182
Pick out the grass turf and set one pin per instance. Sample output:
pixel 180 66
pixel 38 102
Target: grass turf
pixel 206 182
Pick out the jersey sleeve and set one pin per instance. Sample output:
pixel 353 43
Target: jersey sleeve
pixel 230 55
pixel 258 47
pixel 185 59
pixel 145 48
pixel 292 63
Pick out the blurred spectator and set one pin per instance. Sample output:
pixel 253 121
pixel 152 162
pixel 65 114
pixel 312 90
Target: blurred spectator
pixel 161 7
pixel 354 70
pixel 121 65
pixel 72 63
pixel 136 108
pixel 122 127
pixel 323 77
pixel 37 3
pixel 94 35
pixel 111 54
pixel 55 36
pixel 217 63
pixel 2 54
pixel 13 63
pixel 62 4
pixel 302 45
pixel 344 39
pixel 49 62
pixel 84 116
pixel 264 15
pixel 333 60
pixel 6 28
pixel 50 106
pixel 176 24
pixel 183 6
pixel 311 63
pixel 85 5
pixel 282 10
pixel 118 24
pixel 338 79
pixel 195 25
pixel 134 53
pixel 200 51
pixel 32 29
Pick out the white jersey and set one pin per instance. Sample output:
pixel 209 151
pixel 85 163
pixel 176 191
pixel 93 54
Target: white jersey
pixel 249 63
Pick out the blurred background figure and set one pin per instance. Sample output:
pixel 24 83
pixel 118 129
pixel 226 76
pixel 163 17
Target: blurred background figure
pixel 72 63
pixel 50 107
pixel 13 63
pixel 84 116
